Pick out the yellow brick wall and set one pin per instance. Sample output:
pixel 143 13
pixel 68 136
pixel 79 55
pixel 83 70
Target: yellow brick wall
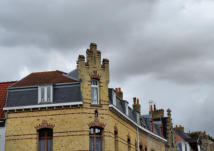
pixel 71 130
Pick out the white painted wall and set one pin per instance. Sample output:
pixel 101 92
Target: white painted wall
pixel 2 138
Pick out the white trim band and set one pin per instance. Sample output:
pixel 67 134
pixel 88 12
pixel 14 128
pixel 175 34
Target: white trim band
pixel 140 127
pixel 41 106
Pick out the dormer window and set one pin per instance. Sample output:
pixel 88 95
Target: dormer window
pixel 45 94
pixel 94 91
pixel 127 108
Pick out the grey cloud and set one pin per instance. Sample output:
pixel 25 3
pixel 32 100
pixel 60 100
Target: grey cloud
pixel 68 24
pixel 164 46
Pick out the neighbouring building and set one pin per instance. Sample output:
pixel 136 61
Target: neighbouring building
pixel 156 120
pixel 3 95
pixel 206 143
pixel 77 111
pixel 182 139
pixel 201 141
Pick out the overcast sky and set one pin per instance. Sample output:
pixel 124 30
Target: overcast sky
pixel 160 50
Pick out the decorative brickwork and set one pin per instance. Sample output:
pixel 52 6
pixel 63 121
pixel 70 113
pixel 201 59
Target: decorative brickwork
pixel 95 75
pixel 44 124
pixel 96 123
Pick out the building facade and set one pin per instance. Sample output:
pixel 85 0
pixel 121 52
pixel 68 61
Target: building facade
pixel 3 95
pixel 75 111
pixel 182 139
pixel 156 120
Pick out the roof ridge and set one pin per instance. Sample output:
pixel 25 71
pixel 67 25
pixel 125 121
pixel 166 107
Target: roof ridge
pixel 7 82
pixel 49 71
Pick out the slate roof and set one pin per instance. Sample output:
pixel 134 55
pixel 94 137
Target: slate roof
pixel 25 96
pixel 145 120
pixel 120 104
pixel 74 74
pixel 3 96
pixel 42 78
pixel 182 135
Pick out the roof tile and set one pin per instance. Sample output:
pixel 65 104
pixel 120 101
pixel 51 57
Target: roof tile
pixel 3 96
pixel 42 78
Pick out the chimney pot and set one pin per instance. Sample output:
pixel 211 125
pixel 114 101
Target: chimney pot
pixel 134 100
pixel 151 108
pixel 154 107
pixel 137 101
pixel 119 93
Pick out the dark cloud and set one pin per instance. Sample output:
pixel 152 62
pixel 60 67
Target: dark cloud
pixel 166 46
pixel 69 24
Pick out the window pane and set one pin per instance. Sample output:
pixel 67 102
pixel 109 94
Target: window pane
pixel 98 144
pixel 91 130
pixel 42 94
pixel 50 145
pixel 41 133
pixel 48 93
pixel 97 131
pixel 41 145
pixel 94 82
pixel 91 144
pixel 94 95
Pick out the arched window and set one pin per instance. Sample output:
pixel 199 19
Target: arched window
pixel 116 140
pixel 45 139
pixel 94 91
pixel 129 144
pixel 95 138
pixel 136 149
pixel 141 147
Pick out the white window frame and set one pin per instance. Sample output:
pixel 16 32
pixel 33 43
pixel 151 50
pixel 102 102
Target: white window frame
pixel 127 108
pixel 45 94
pixel 97 87
pixel 114 98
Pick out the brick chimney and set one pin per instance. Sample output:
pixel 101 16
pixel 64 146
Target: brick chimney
pixel 179 128
pixel 156 113
pixel 119 93
pixel 136 105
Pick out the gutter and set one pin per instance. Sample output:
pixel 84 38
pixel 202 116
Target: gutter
pixel 41 106
pixel 138 126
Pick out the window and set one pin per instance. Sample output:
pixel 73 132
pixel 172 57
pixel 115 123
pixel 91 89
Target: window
pixel 95 139
pixel 129 144
pixel 114 98
pixel 127 108
pixel 116 140
pixel 141 147
pixel 94 91
pixel 45 139
pixel 136 149
pixel 45 94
